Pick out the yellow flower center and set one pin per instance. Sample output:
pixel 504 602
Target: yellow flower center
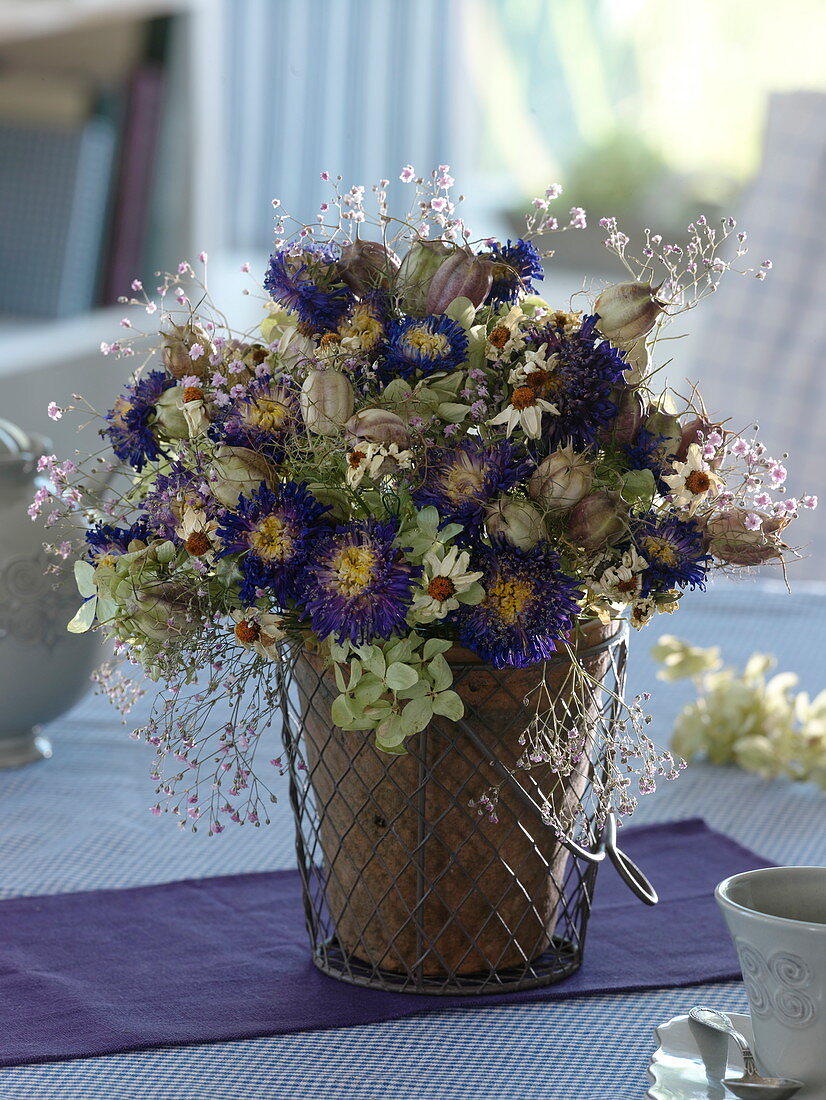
pixel 660 550
pixel 267 412
pixel 247 632
pixel 432 345
pixel 698 482
pixel 509 597
pixel 273 540
pixel 441 588
pixel 463 480
pixel 197 544
pixel 499 336
pixel 355 566
pixel 365 325
pixel 523 397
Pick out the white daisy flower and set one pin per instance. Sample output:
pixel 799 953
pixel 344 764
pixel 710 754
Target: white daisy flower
pixel 444 581
pixel 505 338
pixel 198 533
pixel 260 631
pixel 367 459
pixel 524 411
pixel 621 583
pixel 374 459
pixel 693 481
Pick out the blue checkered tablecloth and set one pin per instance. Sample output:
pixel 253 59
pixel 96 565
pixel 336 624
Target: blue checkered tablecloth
pixel 80 821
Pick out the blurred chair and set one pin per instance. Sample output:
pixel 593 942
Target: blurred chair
pixel 760 346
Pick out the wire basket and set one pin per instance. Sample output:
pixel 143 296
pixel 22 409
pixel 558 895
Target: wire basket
pixel 406 886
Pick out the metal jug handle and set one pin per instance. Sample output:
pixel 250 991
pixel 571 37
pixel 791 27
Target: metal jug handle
pixel 628 871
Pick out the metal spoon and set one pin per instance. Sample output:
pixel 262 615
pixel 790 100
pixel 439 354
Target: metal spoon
pixel 751 1086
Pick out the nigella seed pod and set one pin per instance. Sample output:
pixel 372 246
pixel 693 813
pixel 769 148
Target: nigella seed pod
pixel 666 428
pixel 178 343
pixel 627 311
pixel 689 436
pixel 729 540
pixel 379 426
pixel 326 401
pixel 517 521
pixel 420 264
pixel 462 275
pixel 367 265
pixel 561 480
pixel 625 426
pixel 598 520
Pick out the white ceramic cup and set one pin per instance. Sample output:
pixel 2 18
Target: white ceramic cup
pixel 777 919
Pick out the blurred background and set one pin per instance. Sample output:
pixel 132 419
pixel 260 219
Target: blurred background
pixel 135 133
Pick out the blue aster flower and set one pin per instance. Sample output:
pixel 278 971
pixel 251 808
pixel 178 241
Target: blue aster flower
pixel 368 320
pixel 517 265
pixel 171 492
pixel 258 420
pixel 425 344
pixel 674 551
pixel 645 453
pixel 460 481
pixel 105 539
pixel 272 531
pixel 130 421
pixel 583 370
pixel 307 279
pixel 359 585
pixel 529 605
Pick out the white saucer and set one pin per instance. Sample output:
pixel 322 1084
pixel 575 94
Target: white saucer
pixel 690 1061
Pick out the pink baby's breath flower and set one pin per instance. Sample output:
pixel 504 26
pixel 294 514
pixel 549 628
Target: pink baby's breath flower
pixel 221 399
pixel 438 204
pixel 137 284
pixel 235 367
pixel 203 257
pixel 238 391
pixel 578 218
pixel 218 379
pixel 54 410
pixel 809 501
pixel 245 267
pixel 778 475
pixel 190 380
pixel 553 191
pixel 752 522
pixel 739 448
pixel 408 174
pixel 196 351
pixel 183 267
pixel 125 322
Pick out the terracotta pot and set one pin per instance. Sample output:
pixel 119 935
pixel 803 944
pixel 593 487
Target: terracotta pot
pixel 415 879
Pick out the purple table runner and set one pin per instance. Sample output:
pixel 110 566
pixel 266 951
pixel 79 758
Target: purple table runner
pixel 208 960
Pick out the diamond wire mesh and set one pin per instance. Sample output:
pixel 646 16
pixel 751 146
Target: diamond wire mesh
pixel 406 886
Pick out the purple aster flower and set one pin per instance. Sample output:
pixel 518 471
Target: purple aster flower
pixel 307 279
pixel 174 491
pixel 674 551
pixel 646 453
pixel 579 382
pixel 104 538
pixel 272 531
pixel 459 481
pixel 359 585
pixel 529 605
pixel 517 265
pixel 130 421
pixel 258 419
pixel 424 344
